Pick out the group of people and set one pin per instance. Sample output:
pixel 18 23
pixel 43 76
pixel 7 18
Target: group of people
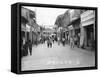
pixel 63 41
pixel 27 45
pixel 51 40
pixel 72 41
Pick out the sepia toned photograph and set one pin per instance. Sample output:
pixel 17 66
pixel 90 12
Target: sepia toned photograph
pixel 56 38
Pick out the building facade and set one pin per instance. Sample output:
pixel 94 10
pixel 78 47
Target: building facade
pixel 74 26
pixel 26 27
pixel 62 22
pixel 87 29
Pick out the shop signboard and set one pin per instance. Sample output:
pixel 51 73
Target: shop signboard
pixel 87 18
pixel 70 27
pixel 28 28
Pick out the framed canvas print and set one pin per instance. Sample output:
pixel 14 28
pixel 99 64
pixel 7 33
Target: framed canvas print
pixel 49 38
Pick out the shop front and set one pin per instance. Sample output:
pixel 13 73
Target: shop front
pixel 76 25
pixel 71 31
pixel 89 35
pixel 87 29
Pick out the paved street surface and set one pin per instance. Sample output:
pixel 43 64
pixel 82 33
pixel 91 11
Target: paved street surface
pixel 57 57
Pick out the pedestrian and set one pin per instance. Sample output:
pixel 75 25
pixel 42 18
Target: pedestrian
pixel 58 40
pixel 50 41
pixel 25 49
pixel 75 40
pixel 53 39
pixel 30 47
pixel 63 41
pixel 78 38
pixel 68 39
pixel 71 42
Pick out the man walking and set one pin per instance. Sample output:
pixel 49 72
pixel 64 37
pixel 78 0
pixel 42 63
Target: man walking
pixel 30 47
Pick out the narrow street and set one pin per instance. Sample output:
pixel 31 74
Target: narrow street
pixel 58 56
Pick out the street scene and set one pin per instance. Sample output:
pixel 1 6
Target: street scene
pixel 54 38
